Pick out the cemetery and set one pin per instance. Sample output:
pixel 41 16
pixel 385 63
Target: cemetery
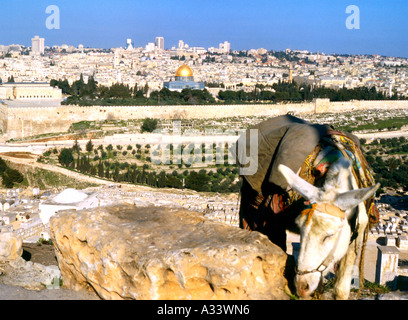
pixel 27 215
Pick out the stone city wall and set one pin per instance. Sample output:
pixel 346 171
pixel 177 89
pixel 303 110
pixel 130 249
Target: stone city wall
pixel 16 122
pixel 31 229
pixel 340 106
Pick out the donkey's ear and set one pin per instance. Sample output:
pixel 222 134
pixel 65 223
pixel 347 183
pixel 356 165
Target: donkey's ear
pixel 350 199
pixel 339 174
pixel 304 188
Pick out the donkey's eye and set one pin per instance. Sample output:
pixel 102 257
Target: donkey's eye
pixel 327 237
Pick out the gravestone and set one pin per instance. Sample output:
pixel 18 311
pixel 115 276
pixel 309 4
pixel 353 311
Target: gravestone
pixel 387 266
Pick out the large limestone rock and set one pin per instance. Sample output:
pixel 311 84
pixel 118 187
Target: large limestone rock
pixel 128 252
pixel 11 246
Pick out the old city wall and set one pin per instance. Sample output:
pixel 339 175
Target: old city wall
pixel 16 122
pixel 29 121
pixel 367 105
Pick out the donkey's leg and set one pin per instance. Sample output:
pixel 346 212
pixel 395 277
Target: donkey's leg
pixel 345 270
pixel 344 273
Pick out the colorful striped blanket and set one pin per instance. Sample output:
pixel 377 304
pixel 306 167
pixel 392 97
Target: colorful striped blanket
pixel 333 146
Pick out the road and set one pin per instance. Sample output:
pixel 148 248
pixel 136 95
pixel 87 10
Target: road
pixel 383 135
pixel 31 161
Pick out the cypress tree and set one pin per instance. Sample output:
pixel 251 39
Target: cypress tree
pixel 100 169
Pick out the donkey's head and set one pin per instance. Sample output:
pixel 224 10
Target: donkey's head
pixel 324 229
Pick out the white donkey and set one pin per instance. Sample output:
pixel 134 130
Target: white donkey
pixel 325 230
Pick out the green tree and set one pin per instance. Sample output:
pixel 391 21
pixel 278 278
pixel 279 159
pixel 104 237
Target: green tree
pixel 14 175
pixel 65 157
pixel 198 181
pixel 174 182
pixel 10 177
pixel 86 165
pixel 161 179
pixel 76 148
pixel 6 181
pixel 115 175
pixel 149 125
pixel 3 166
pixel 61 84
pixel 78 86
pixel 100 169
pixel 89 146
pixel 92 170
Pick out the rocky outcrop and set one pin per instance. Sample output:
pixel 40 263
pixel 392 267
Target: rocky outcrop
pixel 11 246
pixel 29 275
pixel 15 271
pixel 128 252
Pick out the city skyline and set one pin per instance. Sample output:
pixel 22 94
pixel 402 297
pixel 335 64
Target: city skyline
pixel 314 25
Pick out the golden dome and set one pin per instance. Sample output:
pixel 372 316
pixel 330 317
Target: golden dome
pixel 184 71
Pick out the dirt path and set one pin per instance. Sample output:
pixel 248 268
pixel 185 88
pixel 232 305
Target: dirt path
pixel 383 134
pixel 19 293
pixel 31 160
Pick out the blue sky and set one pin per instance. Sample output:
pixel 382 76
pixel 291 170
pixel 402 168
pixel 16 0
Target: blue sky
pixel 271 24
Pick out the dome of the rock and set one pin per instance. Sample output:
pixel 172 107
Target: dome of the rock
pixel 183 79
pixel 184 71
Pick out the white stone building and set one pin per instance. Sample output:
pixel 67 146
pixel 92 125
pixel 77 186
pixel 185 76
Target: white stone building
pixel 18 91
pixel 67 199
